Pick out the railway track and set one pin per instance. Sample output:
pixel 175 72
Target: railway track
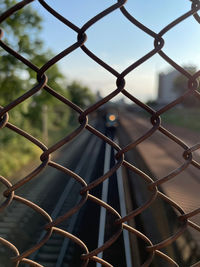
pixel 91 223
pixel 53 253
pixel 120 206
pixel 60 197
pixel 59 251
pixel 20 224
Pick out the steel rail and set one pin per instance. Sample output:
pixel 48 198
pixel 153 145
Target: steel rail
pixel 88 174
pixel 123 210
pixel 104 197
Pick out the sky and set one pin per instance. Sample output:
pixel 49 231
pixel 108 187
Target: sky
pixel 119 43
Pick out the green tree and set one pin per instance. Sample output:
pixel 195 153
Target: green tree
pixel 21 32
pixel 58 113
pixel 181 86
pixel 80 95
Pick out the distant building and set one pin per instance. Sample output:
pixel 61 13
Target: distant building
pixel 166 92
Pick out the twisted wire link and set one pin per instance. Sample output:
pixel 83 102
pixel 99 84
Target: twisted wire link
pixel 46 152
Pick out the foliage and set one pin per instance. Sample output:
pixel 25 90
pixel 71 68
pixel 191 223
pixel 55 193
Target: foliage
pixel 151 103
pixel 21 32
pixel 181 86
pixel 17 152
pixel 184 117
pixel 80 95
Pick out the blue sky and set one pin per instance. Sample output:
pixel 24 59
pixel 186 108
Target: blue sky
pixel 119 43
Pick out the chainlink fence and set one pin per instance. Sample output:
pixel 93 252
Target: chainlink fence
pixel 51 226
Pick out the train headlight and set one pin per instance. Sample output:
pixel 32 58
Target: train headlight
pixel 112 117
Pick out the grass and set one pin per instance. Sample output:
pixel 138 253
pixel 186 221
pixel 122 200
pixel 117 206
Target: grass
pixel 185 117
pixel 16 152
pixel 14 157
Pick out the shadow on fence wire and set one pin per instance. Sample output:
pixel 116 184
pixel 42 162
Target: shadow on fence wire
pixel 51 226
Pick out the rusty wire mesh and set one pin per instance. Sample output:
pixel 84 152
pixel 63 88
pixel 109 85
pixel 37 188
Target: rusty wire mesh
pixel 51 225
